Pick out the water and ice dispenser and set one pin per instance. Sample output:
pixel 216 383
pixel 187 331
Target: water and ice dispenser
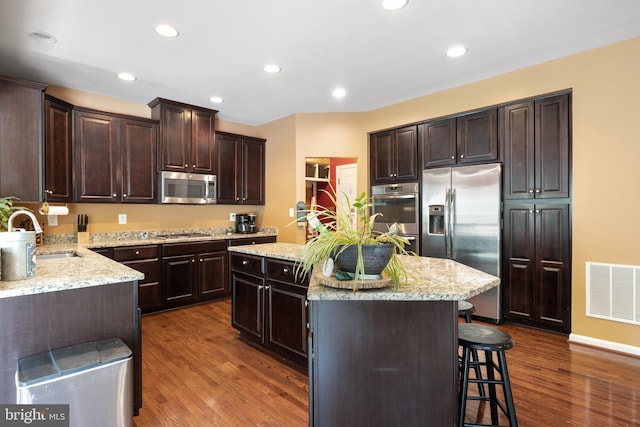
pixel 436 219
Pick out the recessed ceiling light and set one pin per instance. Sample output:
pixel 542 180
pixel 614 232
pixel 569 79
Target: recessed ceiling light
pixel 216 100
pixel 271 68
pixel 456 51
pixel 126 77
pixel 43 37
pixel 339 93
pixel 167 30
pixel 394 4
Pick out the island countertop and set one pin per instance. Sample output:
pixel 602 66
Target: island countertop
pixel 431 278
pixel 85 270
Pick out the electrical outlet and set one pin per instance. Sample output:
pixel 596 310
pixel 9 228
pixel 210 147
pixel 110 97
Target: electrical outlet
pixel 290 212
pixel 232 217
pixel 52 219
pixel 122 218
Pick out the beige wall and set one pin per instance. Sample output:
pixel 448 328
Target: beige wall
pixel 606 90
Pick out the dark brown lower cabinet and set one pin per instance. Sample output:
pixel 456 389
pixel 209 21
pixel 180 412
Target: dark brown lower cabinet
pixel 145 259
pixel 537 276
pixel 194 272
pixel 383 363
pixel 269 304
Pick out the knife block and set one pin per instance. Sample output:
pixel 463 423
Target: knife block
pixel 83 237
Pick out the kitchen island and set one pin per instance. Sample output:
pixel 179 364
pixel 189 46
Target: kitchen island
pixel 76 296
pixel 385 356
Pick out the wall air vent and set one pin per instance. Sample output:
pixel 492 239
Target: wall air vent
pixel 613 292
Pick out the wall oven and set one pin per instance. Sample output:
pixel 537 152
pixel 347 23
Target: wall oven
pixel 400 204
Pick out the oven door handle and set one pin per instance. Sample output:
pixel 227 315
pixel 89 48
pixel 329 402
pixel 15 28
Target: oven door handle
pixel 398 196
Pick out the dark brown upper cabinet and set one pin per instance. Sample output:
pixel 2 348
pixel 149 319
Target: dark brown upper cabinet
pixel 240 169
pixel 465 139
pixel 114 158
pixel 536 148
pixel 393 155
pixel 58 133
pixel 187 141
pixel 21 135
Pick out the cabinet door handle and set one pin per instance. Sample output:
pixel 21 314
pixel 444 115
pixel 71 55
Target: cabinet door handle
pixel 114 194
pixel 193 260
pixel 453 157
pixel 137 252
pixel 194 166
pixel 260 287
pixel 462 156
pixel 285 270
pixel 537 190
pixel 186 165
pixel 124 195
pixel 245 262
pixel 531 191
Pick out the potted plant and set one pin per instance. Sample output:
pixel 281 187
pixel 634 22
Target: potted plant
pixel 353 248
pixel 6 209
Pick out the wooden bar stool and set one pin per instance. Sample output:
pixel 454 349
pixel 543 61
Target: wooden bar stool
pixel 491 341
pixel 465 309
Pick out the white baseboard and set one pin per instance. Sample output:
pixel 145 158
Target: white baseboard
pixel 606 345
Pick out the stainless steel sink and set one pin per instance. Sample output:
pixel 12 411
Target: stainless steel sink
pixel 58 255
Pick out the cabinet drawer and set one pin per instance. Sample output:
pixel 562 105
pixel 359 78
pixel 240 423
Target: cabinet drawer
pixel 136 252
pixel 189 248
pixel 247 263
pixel 284 271
pixel 252 240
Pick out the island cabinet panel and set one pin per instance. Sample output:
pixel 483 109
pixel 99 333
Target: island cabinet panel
pixel 21 132
pixel 286 309
pixel 382 362
pixel 57 150
pixel 269 304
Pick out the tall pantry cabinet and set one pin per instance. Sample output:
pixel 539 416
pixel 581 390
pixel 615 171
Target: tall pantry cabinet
pixel 536 280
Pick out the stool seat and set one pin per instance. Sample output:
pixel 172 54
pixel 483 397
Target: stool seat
pixel 485 338
pixel 465 309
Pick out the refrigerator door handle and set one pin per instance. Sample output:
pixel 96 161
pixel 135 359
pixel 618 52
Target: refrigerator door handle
pixel 452 218
pixel 447 224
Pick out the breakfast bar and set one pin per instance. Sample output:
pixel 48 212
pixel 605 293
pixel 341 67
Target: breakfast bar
pixel 76 296
pixel 389 356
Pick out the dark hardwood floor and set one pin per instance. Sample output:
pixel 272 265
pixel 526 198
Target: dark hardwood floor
pixel 196 372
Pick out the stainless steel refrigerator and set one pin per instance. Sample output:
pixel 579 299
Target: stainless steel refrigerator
pixel 461 220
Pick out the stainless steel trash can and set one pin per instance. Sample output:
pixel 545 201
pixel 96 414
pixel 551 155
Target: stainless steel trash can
pixel 95 379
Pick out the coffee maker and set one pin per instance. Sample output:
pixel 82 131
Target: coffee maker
pixel 246 223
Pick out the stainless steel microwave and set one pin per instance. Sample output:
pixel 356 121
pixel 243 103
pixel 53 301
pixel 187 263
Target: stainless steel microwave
pixel 187 188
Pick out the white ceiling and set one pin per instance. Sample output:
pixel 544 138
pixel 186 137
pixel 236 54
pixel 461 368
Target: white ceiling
pixel 379 57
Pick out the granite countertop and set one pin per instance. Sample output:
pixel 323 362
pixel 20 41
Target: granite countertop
pixel 90 269
pixel 82 271
pixel 284 251
pixel 432 278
